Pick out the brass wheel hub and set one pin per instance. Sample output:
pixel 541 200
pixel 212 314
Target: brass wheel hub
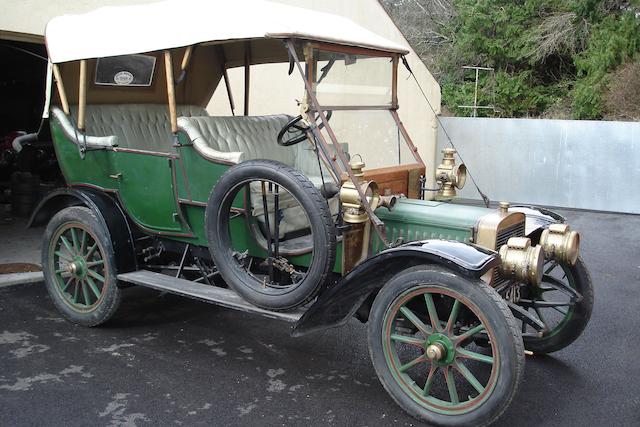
pixel 77 268
pixel 436 352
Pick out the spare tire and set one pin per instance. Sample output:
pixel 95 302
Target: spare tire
pixel 232 265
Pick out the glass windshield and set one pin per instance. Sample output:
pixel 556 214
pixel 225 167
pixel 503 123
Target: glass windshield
pixel 341 79
pixel 373 134
pixel 358 90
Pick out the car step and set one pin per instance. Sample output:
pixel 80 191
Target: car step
pixel 212 294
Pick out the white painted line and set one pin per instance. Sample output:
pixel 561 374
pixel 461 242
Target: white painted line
pixel 19 278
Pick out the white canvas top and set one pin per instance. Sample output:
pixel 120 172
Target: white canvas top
pixel 123 30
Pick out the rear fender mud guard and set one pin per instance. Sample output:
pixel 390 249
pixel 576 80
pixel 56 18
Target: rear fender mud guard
pixel 108 211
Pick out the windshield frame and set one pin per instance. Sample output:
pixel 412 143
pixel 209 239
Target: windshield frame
pixel 339 161
pixel 311 77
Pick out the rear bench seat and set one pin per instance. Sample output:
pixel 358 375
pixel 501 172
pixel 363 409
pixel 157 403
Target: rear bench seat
pixel 136 126
pixel 229 139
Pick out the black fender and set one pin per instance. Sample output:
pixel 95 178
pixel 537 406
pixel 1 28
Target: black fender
pixel 536 220
pixel 338 304
pixel 108 211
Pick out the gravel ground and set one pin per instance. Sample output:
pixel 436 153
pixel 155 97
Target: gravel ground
pixel 169 361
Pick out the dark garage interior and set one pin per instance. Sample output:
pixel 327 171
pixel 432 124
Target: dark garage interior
pixel 27 162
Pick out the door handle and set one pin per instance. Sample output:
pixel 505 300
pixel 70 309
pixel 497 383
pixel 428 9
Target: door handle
pixel 116 176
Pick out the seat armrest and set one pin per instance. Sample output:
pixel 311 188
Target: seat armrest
pixel 202 144
pixel 77 137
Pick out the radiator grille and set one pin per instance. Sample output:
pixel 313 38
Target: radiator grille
pixel 515 230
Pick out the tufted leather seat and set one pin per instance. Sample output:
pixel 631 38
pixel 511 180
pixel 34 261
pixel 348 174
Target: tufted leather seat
pixel 139 126
pixel 240 138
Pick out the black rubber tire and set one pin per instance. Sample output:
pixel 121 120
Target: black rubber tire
pixel 579 320
pixel 500 319
pixel 322 228
pixel 107 307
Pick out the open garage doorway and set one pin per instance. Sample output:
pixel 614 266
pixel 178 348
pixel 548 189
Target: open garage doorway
pixel 28 168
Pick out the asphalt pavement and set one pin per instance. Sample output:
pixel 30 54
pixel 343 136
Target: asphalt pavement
pixel 165 360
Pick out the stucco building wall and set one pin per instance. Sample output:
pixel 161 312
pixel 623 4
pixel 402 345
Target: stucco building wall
pixel 271 89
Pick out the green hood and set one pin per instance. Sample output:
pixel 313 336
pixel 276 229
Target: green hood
pixel 420 220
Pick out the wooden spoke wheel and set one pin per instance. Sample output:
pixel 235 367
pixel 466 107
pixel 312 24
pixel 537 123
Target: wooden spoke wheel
pixel 421 338
pixel 563 303
pixel 78 265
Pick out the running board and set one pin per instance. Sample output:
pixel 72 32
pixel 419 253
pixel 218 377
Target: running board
pixel 212 294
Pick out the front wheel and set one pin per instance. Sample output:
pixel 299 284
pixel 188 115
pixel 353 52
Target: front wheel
pixel 563 302
pixel 79 267
pixel 422 329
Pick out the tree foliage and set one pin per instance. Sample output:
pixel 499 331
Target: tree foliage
pixel 545 53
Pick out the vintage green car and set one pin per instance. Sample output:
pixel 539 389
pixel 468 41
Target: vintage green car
pixel 278 215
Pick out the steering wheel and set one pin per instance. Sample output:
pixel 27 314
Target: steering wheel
pixel 296 131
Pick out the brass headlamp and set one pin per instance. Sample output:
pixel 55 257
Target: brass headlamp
pixel 354 212
pixel 560 243
pixel 449 175
pixel 356 239
pixel 521 261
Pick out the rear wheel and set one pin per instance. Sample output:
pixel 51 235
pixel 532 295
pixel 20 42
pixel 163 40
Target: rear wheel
pixel 422 328
pixel 78 266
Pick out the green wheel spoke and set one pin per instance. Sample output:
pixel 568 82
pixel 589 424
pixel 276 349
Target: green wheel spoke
pixel 91 250
pixel 60 271
pixel 64 256
pixel 451 385
pixel 67 245
pixel 429 382
pixel 67 283
pixel 417 342
pixel 467 354
pixel 93 287
pixel 94 263
pixel 468 375
pixel 95 275
pixel 541 317
pixel 551 267
pixel 74 239
pixel 414 362
pixel 453 316
pixel 85 293
pixel 564 313
pixel 415 320
pixel 75 292
pixel 433 314
pixel 83 241
pixel 471 332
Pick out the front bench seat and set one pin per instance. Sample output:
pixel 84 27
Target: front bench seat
pixel 240 138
